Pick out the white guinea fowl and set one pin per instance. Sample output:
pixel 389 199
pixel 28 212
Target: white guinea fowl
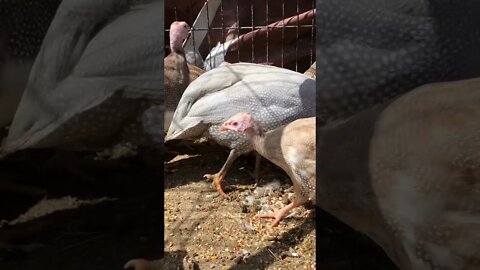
pixel 408 175
pixel 274 96
pixel 291 147
pixel 177 72
pixel 217 55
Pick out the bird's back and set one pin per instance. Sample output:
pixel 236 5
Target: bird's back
pixel 298 146
pixel 274 97
pixel 425 165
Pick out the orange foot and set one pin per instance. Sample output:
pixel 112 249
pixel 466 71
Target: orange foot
pixel 277 214
pixel 217 183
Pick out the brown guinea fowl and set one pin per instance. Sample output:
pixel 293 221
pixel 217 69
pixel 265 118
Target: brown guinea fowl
pixel 178 73
pixel 291 147
pixel 407 174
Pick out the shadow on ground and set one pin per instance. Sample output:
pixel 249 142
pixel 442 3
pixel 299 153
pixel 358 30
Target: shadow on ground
pixel 121 217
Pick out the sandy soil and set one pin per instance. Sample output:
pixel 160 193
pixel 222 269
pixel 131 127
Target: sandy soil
pixel 61 210
pixel 220 234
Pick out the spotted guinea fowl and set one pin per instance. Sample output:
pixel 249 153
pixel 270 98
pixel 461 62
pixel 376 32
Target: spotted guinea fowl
pixel 95 81
pixel 407 174
pixel 274 96
pixel 291 147
pixel 178 74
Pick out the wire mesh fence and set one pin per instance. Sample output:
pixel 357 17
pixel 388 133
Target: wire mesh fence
pixel 280 33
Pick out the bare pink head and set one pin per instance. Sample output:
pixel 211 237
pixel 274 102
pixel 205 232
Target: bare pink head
pixel 240 122
pixel 178 33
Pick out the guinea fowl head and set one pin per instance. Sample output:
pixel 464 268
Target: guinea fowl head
pixel 240 122
pixel 178 33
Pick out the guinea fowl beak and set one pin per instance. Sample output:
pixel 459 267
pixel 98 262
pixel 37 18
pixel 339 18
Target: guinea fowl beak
pixel 223 128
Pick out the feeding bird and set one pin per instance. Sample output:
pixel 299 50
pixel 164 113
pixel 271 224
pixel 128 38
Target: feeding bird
pixel 291 147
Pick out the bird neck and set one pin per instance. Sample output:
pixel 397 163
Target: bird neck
pixel 257 137
pixel 176 43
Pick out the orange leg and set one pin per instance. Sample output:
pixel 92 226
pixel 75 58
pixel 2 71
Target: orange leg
pixel 279 214
pixel 217 183
pixel 218 177
pixel 256 173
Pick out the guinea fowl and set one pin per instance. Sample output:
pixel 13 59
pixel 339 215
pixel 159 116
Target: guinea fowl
pixel 274 96
pixel 95 81
pixel 178 74
pixel 407 174
pixel 291 147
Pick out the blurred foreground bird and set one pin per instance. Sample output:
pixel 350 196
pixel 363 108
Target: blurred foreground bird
pixel 96 80
pixel 272 95
pixel 291 147
pixel 376 50
pixel 407 174
pixel 23 25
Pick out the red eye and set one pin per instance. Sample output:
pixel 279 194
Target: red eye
pixel 234 123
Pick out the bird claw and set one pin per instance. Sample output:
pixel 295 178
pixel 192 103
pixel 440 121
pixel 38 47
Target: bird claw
pixel 276 215
pixel 209 177
pixel 216 183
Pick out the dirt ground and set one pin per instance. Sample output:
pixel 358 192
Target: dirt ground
pixel 73 212
pixel 221 234
pixel 62 210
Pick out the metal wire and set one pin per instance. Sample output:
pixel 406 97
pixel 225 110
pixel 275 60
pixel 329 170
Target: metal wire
pixel 253 27
pixel 253 36
pixel 296 44
pixel 266 11
pixel 238 27
pixel 283 30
